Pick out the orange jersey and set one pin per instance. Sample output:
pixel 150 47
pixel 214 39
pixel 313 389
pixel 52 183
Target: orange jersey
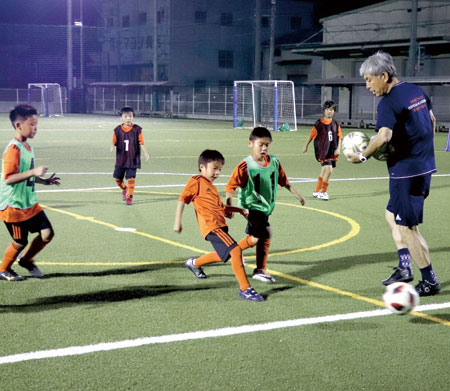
pixel 324 145
pixel 239 177
pixel 11 164
pixel 208 205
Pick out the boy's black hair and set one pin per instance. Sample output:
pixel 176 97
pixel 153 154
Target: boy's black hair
pixel 21 113
pixel 328 104
pixel 210 155
pixel 260 132
pixel 126 109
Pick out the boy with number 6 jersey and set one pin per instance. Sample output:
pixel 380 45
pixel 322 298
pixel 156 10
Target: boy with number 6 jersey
pixel 257 178
pixel 128 141
pixel 19 208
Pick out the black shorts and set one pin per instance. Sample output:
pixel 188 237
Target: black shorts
pixel 258 224
pixel 19 231
pixel 120 172
pixel 407 196
pixel 328 162
pixel 222 242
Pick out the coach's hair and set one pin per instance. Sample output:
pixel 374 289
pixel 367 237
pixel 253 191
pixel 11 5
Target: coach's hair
pixel 21 113
pixel 260 132
pixel 329 104
pixel 210 155
pixel 126 109
pixel 377 64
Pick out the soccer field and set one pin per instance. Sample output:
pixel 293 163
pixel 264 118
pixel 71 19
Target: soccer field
pixel 118 310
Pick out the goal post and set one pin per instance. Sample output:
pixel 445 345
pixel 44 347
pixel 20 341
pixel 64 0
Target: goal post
pixel 264 102
pixel 47 97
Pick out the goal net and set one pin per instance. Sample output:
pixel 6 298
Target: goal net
pixel 47 98
pixel 270 103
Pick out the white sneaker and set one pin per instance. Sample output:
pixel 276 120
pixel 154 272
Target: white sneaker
pixel 316 194
pixel 262 276
pixel 324 196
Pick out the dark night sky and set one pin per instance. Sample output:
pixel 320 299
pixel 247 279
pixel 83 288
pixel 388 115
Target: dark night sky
pixel 55 11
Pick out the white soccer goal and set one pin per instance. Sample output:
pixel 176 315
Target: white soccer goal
pixel 270 103
pixel 47 98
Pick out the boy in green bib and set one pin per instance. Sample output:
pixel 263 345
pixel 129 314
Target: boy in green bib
pixel 19 208
pixel 257 177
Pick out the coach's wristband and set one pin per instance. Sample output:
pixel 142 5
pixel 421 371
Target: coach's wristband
pixel 362 159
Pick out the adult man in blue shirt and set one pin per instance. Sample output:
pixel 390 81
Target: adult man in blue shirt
pixel 406 121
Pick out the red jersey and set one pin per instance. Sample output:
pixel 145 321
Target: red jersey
pixel 208 205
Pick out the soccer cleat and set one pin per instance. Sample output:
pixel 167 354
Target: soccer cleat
pixel 10 275
pixel 250 294
pixel 261 276
pixel 316 194
pixel 426 288
pixel 400 275
pixel 198 271
pixel 323 196
pixel 129 200
pixel 124 194
pixel 31 267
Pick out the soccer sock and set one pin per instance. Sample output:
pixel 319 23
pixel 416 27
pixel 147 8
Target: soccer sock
pixel 35 247
pixel 246 243
pixel 428 274
pixel 11 254
pixel 325 186
pixel 131 184
pixel 404 258
pixel 121 184
pixel 207 259
pixel 238 268
pixel 319 184
pixel 262 252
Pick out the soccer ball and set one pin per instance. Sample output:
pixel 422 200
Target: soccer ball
pixel 354 142
pixel 400 298
pixel 383 152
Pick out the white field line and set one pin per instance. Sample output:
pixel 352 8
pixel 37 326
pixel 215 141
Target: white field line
pixel 203 334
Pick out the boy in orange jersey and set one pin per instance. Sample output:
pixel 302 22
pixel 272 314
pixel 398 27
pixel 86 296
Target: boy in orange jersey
pixel 211 212
pixel 257 177
pixel 327 136
pixel 19 208
pixel 128 140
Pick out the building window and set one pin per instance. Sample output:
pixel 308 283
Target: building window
pixel 296 23
pixel 226 19
pixel 265 22
pixel 277 52
pixel 199 83
pixel 110 22
pixel 200 17
pixel 149 41
pixel 226 59
pixel 126 21
pixel 160 16
pixel 142 18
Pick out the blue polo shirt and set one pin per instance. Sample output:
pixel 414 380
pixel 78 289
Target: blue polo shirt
pixel 405 110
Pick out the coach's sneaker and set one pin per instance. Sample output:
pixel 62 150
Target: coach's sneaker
pixel 31 267
pixel 198 271
pixel 262 276
pixel 129 200
pixel 124 194
pixel 426 288
pixel 323 196
pixel 316 194
pixel 250 294
pixel 10 275
pixel 400 275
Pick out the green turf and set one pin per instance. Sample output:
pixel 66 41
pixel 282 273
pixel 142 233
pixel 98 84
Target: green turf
pixel 108 286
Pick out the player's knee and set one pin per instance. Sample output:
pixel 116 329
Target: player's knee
pixel 254 240
pixel 47 235
pixel 22 243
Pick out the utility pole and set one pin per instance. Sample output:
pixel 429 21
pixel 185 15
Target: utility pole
pixel 69 53
pixel 155 41
pixel 412 58
pixel 257 66
pixel 272 36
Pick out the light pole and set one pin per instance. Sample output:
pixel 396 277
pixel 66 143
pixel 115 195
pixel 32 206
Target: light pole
pixel 69 53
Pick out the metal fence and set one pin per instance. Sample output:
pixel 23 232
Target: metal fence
pixel 217 102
